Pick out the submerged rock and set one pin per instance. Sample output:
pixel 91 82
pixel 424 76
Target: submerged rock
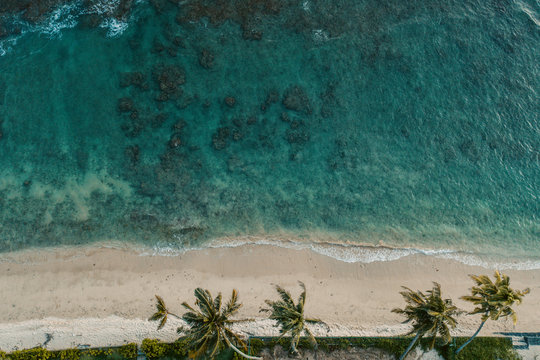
pixel 169 79
pixel 220 137
pixel 157 46
pixel 296 99
pixel 230 101
pixel 178 41
pixel 251 34
pixel 125 104
pixel 3 31
pixel 132 153
pixel 90 21
pixel 123 9
pixel 298 136
pixel 251 30
pixel 186 101
pixel 158 120
pixel 206 59
pixel 179 125
pixel 246 13
pixel 175 141
pixel 271 98
pixel 238 122
pixel 158 5
pixel 237 135
pixel 136 79
pixel 133 128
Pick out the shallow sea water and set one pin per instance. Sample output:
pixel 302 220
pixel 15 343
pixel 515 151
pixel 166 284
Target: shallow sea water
pixel 403 123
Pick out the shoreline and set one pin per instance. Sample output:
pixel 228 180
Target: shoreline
pixel 105 294
pixel 343 251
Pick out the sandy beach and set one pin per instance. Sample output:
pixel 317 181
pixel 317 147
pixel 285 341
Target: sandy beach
pixel 101 296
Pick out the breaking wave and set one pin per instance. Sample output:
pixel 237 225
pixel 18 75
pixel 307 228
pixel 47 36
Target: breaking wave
pixel 353 253
pixel 67 16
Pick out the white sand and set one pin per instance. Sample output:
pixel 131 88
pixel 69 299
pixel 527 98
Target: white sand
pixel 100 296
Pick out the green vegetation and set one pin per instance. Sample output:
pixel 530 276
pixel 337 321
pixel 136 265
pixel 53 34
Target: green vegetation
pixel 429 315
pixel 481 348
pixel 395 346
pixel 153 348
pixel 67 354
pixel 128 351
pixel 290 317
pixel 493 300
pixel 208 333
pixel 487 348
pixel 70 354
pixel 31 354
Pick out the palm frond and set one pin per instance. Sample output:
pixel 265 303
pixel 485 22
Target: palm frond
pixel 162 323
pixel 285 295
pixel 289 316
pixel 208 323
pixel 232 305
pixel 428 312
pixel 494 299
pixel 161 313
pixel 204 301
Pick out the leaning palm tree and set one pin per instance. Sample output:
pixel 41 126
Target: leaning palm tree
pixel 162 313
pixel 290 317
pixel 429 314
pixel 208 331
pixel 493 300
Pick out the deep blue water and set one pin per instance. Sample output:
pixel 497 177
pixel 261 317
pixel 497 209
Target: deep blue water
pixel 406 123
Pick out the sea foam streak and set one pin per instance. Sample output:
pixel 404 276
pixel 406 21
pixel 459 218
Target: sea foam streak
pixel 67 16
pixel 352 253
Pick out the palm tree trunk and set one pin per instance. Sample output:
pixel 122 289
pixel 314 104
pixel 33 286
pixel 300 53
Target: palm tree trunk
pixel 238 351
pixel 410 346
pixel 471 338
pixel 294 343
pixel 293 347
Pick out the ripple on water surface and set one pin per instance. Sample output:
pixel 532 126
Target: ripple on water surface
pixel 410 125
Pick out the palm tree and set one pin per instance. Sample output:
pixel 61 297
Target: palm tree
pixel 493 300
pixel 429 314
pixel 290 317
pixel 162 313
pixel 208 331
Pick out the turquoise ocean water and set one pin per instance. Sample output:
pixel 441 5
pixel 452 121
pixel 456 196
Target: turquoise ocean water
pixel 410 124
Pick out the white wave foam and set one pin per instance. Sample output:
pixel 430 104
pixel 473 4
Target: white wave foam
pixel 67 16
pixel 114 26
pixel 352 253
pixel 103 7
pixel 346 252
pixel 320 35
pixel 6 45
pixel 529 12
pixel 64 17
